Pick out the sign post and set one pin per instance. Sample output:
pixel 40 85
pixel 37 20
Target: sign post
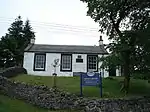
pixel 90 79
pixel 101 92
pixel 81 92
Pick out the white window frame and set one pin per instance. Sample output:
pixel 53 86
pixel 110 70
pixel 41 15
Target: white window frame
pixel 92 63
pixel 66 62
pixel 39 59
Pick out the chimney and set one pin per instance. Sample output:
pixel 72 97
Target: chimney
pixel 100 41
pixel 32 41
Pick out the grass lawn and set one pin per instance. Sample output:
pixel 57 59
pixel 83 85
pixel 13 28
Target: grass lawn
pixel 111 87
pixel 11 105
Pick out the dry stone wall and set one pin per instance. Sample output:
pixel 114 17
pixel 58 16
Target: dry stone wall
pixel 49 98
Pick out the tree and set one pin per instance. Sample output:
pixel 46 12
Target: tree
pixel 142 51
pixel 28 33
pixel 15 38
pixel 117 18
pixel 7 49
pixel 15 41
pixel 111 61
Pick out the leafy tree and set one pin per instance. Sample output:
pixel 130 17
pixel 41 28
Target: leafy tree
pixel 113 60
pixel 142 51
pixel 117 18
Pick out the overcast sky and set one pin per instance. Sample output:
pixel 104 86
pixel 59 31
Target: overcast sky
pixel 54 21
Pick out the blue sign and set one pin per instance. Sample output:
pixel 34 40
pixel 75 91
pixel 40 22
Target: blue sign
pixel 90 79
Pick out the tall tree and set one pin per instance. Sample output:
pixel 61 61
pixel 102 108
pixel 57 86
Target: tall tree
pixel 115 17
pixel 28 33
pixel 15 35
pixel 142 51
pixel 16 40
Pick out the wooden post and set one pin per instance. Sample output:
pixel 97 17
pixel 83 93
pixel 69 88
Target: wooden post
pixel 54 80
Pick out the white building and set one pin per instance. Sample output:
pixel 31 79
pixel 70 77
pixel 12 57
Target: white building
pixel 39 59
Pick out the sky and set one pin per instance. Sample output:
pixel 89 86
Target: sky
pixel 61 22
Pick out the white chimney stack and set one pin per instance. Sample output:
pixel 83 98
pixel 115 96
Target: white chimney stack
pixel 100 41
pixel 32 41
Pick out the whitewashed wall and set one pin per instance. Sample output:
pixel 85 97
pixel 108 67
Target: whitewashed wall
pixel 49 70
pixel 118 71
pixel 104 73
pixel 79 67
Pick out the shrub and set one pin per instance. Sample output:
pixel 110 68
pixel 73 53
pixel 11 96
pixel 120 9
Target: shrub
pixel 141 76
pixel 13 71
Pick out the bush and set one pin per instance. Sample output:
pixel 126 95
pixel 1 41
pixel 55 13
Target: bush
pixel 13 71
pixel 141 76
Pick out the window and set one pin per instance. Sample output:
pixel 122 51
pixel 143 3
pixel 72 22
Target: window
pixel 66 62
pixel 39 62
pixel 92 63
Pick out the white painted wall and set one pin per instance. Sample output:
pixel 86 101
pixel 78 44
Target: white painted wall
pixel 28 62
pixel 79 67
pixel 118 71
pixel 104 73
pixel 49 70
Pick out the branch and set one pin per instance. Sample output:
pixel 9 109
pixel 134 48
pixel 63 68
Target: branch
pixel 122 13
pixel 116 27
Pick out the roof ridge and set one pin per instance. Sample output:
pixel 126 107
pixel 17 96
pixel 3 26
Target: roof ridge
pixel 65 45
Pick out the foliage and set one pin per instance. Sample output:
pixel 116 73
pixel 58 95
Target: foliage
pixel 121 20
pixel 28 34
pixel 13 71
pixel 111 61
pixel 14 42
pixel 141 76
pixel 142 51
pixel 112 15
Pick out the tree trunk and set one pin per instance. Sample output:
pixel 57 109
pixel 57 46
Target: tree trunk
pixel 125 86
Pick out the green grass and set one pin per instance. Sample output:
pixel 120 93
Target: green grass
pixel 11 105
pixel 111 87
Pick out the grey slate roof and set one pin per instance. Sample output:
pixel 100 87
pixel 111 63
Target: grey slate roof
pixel 66 49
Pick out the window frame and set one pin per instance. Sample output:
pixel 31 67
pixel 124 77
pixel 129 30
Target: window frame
pixel 96 70
pixel 66 70
pixel 39 69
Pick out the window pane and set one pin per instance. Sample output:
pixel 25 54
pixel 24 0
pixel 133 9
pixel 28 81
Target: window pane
pixel 66 62
pixel 39 61
pixel 92 63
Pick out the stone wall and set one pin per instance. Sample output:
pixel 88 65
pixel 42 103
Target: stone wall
pixel 13 71
pixel 49 98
